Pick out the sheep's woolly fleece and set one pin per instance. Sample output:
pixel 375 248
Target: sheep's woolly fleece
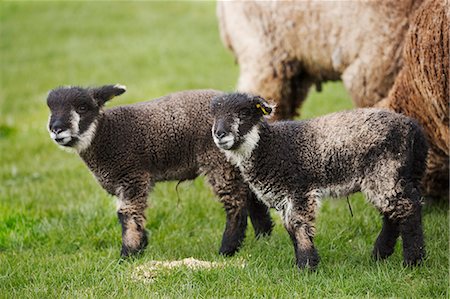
pixel 421 90
pixel 149 271
pixel 284 47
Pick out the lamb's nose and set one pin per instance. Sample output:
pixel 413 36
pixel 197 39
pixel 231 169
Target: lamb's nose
pixel 220 133
pixel 56 127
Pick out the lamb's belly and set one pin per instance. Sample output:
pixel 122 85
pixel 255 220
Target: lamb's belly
pixel 279 199
pixel 272 198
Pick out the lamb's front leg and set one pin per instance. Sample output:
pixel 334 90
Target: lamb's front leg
pixel 235 227
pixel 233 192
pixel 259 215
pixel 298 218
pixel 131 205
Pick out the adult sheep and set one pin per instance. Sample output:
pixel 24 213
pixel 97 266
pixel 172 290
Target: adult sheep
pixel 421 89
pixel 130 148
pixel 283 48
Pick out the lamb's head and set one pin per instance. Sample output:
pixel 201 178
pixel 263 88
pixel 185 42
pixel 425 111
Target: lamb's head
pixel 237 118
pixel 75 111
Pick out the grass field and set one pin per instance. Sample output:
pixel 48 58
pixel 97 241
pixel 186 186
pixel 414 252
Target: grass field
pixel 59 235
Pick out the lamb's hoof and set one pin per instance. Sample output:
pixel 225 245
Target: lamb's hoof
pixel 127 251
pixel 231 244
pixel 228 251
pixel 412 262
pixel 379 253
pixel 413 256
pixel 416 259
pixel 263 229
pixel 308 260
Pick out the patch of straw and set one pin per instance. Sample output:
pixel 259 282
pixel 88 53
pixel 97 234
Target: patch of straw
pixel 150 270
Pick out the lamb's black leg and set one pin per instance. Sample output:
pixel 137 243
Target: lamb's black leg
pixel 131 205
pixel 235 227
pixel 228 185
pixel 259 215
pixel 412 236
pixel 298 218
pixel 406 210
pixel 385 243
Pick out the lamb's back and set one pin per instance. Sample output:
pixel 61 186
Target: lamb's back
pixel 337 147
pixel 161 135
pixel 355 130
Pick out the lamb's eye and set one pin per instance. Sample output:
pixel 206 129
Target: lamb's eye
pixel 246 112
pixel 82 109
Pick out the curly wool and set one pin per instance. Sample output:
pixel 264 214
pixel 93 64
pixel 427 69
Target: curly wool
pixel 421 90
pixel 285 47
pixel 291 165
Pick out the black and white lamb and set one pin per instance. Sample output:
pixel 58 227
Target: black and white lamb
pixel 291 165
pixel 130 148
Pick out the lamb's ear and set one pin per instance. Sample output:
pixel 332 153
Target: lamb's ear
pixel 107 92
pixel 266 109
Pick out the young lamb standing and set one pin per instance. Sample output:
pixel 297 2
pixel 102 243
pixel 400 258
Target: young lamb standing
pixel 291 165
pixel 130 148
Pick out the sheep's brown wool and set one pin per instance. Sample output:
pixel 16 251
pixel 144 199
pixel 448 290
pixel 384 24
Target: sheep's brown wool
pixel 130 148
pixel 284 47
pixel 291 165
pixel 421 89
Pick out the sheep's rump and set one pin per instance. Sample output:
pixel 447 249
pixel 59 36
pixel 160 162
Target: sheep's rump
pixel 421 90
pixel 285 47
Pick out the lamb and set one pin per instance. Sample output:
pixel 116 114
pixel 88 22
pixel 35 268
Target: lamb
pixel 421 90
pixel 285 47
pixel 291 165
pixel 130 148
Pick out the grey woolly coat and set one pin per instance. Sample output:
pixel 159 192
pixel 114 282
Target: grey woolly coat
pixel 339 154
pixel 160 139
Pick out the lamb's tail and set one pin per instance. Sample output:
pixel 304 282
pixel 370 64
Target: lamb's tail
pixel 409 188
pixel 419 153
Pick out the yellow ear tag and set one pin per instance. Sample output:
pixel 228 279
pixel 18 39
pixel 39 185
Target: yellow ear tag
pixel 262 109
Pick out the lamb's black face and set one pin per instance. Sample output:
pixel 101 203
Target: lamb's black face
pixel 236 118
pixel 74 112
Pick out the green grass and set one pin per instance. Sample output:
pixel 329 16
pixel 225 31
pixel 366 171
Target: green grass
pixel 59 236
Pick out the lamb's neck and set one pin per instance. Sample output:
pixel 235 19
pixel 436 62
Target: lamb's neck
pixel 88 138
pixel 246 149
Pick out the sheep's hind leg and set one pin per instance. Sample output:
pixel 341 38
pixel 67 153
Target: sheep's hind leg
pixel 131 214
pixel 298 218
pixel 259 215
pixel 385 243
pixel 280 80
